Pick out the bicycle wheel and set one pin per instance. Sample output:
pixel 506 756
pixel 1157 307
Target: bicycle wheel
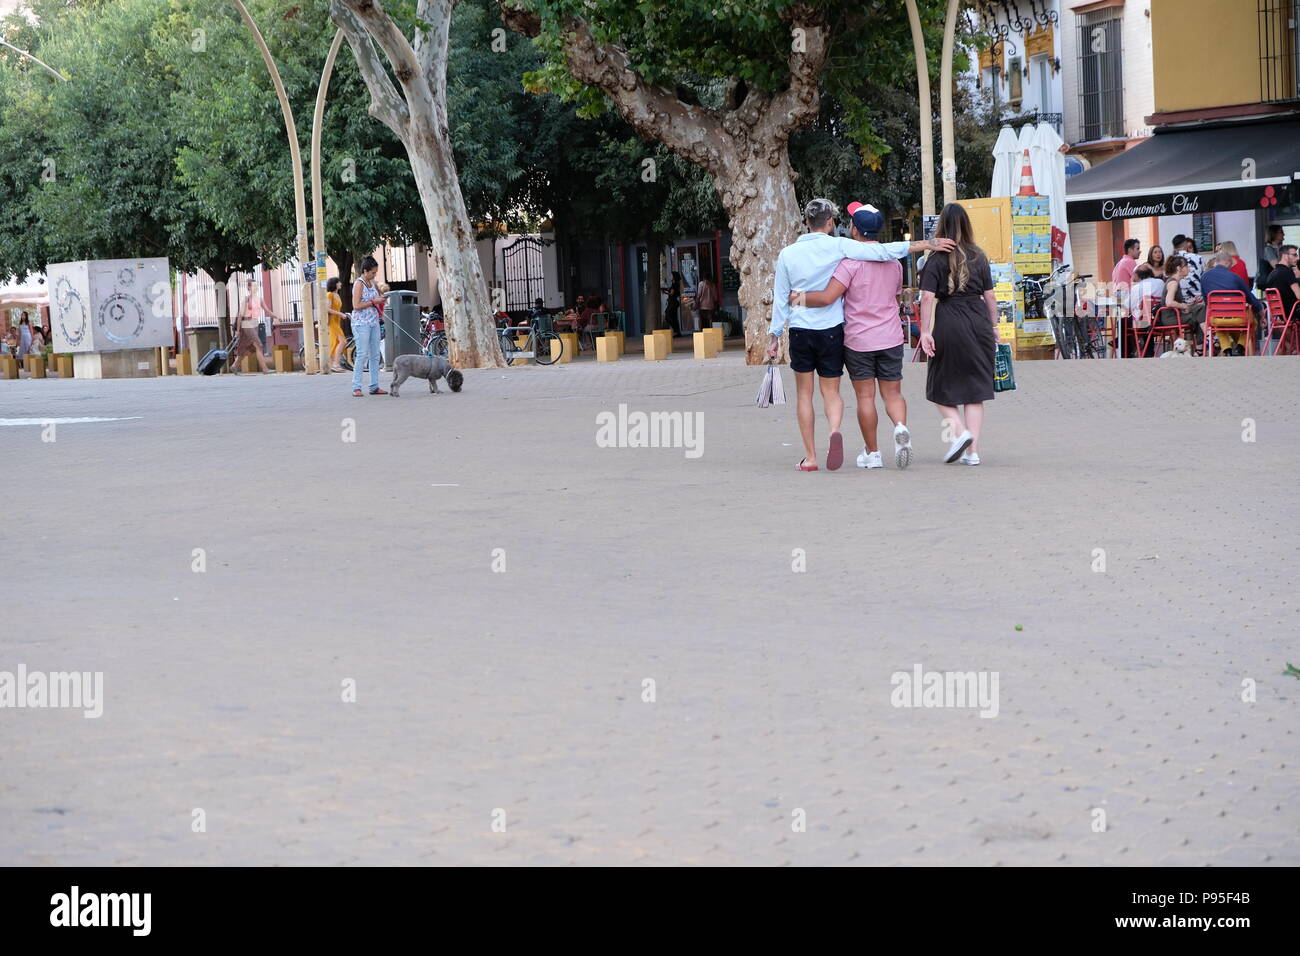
pixel 438 344
pixel 349 354
pixel 1057 336
pixel 508 348
pixel 545 354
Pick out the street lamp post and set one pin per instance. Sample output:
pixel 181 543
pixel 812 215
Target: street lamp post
pixel 925 110
pixel 299 192
pixel 945 106
pixel 317 198
pixel 41 63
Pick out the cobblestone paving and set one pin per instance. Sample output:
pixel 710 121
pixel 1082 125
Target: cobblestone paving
pixel 522 691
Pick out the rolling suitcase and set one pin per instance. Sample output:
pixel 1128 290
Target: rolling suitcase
pixel 211 363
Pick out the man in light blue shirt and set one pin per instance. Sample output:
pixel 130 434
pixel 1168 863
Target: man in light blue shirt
pixel 817 334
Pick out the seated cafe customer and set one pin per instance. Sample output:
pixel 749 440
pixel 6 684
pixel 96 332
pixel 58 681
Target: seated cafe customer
pixel 1146 288
pixel 1283 278
pixel 1145 283
pixel 1220 278
pixel 1121 277
pixel 1191 309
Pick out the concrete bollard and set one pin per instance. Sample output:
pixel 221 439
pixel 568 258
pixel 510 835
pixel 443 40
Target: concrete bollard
pixel 570 340
pixel 283 358
pixel 656 349
pixel 606 349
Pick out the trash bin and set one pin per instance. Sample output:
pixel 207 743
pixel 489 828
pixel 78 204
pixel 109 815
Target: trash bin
pixel 401 325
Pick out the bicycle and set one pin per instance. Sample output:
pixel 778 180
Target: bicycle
pixel 348 357
pixel 539 346
pixel 1069 336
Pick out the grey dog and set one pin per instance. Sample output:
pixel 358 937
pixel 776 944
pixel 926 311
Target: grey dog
pixel 432 367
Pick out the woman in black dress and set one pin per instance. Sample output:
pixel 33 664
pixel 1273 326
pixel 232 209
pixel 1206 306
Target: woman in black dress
pixel 959 315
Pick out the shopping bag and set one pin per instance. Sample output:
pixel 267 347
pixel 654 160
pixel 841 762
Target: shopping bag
pixel 765 390
pixel 771 392
pixel 778 389
pixel 1004 375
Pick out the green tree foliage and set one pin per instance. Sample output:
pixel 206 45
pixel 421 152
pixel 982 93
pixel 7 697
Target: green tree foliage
pixel 233 156
pixel 524 154
pixel 89 163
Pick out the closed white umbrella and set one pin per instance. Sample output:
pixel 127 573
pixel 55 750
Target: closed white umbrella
pixel 1048 164
pixel 1006 164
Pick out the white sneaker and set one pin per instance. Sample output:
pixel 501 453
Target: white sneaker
pixel 870 459
pixel 902 446
pixel 970 458
pixel 959 445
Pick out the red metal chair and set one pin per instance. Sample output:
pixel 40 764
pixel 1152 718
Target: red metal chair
pixel 1277 317
pixel 1228 311
pixel 1160 328
pixel 1143 322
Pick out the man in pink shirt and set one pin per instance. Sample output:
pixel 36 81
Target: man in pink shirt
pixel 873 336
pixel 1121 278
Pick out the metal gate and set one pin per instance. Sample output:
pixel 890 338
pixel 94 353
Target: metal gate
pixel 521 262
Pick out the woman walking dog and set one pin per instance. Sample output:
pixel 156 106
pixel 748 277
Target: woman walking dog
pixel 959 315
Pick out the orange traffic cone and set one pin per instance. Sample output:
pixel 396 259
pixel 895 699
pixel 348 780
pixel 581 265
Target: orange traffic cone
pixel 1027 178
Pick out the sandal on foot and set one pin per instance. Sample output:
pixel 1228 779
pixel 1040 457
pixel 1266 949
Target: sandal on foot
pixel 803 465
pixel 835 456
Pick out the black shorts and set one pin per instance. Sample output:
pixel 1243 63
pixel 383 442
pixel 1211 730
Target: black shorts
pixel 884 364
pixel 818 350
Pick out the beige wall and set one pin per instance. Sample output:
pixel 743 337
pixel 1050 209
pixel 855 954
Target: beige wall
pixel 1220 35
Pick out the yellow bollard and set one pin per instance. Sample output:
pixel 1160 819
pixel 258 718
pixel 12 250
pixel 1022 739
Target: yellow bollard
pixel 570 340
pixel 283 358
pixel 656 349
pixel 703 345
pixel 35 365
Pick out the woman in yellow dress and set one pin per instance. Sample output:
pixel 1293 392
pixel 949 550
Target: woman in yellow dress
pixel 335 306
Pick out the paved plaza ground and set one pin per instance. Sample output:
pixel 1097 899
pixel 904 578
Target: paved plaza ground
pixel 515 696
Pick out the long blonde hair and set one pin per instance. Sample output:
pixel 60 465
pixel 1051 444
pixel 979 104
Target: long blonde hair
pixel 954 224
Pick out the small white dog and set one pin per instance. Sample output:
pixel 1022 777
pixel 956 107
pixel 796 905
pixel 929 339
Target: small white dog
pixel 1178 351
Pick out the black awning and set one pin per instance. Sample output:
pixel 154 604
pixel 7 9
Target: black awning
pixel 1175 172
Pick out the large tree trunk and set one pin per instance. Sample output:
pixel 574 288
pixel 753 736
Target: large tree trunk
pixel 466 303
pixel 220 275
pixel 416 111
pixel 344 262
pixel 652 313
pixel 760 199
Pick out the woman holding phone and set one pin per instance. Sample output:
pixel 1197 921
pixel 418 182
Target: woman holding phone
pixel 365 327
